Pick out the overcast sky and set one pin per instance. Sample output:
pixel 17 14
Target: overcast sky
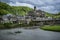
pixel 52 6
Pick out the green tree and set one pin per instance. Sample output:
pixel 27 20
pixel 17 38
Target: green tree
pixel 3 12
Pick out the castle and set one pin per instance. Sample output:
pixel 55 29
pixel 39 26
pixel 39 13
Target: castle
pixel 36 13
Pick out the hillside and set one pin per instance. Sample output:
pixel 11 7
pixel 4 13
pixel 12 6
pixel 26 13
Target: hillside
pixel 56 15
pixel 52 15
pixel 48 14
pixel 5 9
pixel 21 10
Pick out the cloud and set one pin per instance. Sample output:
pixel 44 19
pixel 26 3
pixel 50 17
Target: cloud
pixel 21 4
pixel 5 1
pixel 52 6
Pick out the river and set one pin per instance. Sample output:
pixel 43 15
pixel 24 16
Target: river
pixel 28 34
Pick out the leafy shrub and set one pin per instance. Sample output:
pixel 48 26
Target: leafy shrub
pixel 7 25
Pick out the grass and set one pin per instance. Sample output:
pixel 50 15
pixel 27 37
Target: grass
pixel 51 28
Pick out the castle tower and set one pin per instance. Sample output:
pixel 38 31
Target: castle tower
pixel 34 8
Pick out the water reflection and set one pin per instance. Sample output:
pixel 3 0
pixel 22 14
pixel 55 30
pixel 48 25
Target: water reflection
pixel 27 34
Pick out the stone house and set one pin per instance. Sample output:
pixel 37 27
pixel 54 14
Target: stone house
pixel 9 18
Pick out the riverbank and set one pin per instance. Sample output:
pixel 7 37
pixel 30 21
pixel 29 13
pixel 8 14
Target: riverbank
pixel 51 28
pixel 7 26
pixel 15 25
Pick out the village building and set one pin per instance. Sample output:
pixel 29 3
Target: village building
pixel 36 13
pixel 38 17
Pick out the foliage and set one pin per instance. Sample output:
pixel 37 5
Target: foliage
pixel 48 14
pixel 7 25
pixel 3 12
pixel 56 15
pixel 21 10
pixel 53 15
pixel 5 8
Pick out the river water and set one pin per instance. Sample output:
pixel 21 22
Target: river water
pixel 28 34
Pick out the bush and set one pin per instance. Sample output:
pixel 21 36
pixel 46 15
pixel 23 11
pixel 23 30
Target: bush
pixel 7 25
